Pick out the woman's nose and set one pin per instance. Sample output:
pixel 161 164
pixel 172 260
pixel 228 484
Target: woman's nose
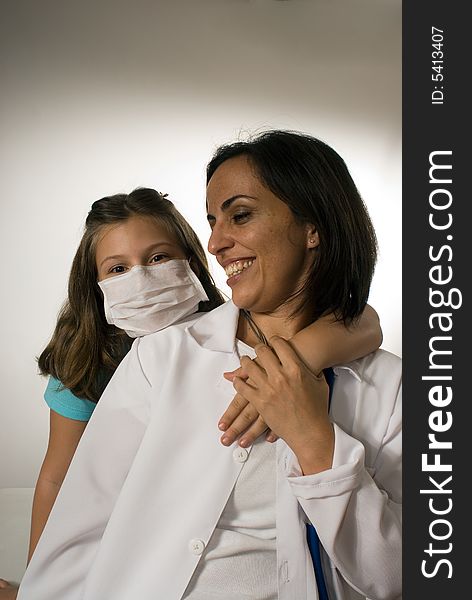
pixel 219 240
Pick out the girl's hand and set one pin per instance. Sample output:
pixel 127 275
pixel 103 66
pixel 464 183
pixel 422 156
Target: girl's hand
pixel 7 590
pixel 242 419
pixel 291 400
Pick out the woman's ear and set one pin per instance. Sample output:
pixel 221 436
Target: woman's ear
pixel 312 237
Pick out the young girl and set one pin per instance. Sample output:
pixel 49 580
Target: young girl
pixel 112 299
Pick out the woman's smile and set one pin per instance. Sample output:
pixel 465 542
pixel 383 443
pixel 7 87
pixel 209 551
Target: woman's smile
pixel 236 268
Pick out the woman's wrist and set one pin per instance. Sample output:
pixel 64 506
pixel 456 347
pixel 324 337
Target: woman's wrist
pixel 315 452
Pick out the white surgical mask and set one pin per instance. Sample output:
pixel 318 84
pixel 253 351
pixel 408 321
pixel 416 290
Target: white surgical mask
pixel 148 299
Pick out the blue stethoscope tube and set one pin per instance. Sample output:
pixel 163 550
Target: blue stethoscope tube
pixel 312 538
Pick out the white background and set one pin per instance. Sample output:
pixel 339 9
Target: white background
pixel 102 97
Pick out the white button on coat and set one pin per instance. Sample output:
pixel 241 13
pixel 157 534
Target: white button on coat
pixel 196 546
pixel 240 455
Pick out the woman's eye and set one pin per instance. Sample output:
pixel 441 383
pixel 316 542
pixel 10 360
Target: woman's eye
pixel 158 257
pixel 241 217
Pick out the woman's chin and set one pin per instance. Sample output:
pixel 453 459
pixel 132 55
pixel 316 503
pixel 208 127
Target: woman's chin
pixel 242 301
pixel 246 302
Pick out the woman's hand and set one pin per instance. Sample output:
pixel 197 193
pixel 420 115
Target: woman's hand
pixel 242 419
pixel 7 590
pixel 292 401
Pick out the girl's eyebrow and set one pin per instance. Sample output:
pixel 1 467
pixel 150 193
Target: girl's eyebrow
pixel 145 251
pixel 227 203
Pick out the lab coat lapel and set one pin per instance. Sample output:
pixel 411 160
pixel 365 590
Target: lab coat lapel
pixel 216 330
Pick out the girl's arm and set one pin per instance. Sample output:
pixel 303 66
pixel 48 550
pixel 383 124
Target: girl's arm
pixel 322 344
pixel 328 342
pixel 64 436
pixel 8 591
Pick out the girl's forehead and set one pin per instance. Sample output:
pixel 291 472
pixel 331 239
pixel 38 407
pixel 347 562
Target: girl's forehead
pixel 137 231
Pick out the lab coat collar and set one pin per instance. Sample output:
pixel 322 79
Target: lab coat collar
pixel 353 368
pixel 216 330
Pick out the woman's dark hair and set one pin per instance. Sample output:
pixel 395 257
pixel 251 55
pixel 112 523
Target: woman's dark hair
pixel 85 350
pixel 314 182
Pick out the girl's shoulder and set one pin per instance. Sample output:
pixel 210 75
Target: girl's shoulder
pixel 61 400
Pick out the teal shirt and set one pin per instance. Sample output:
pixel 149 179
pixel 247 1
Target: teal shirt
pixel 62 400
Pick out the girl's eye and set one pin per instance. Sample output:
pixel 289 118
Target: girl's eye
pixel 241 217
pixel 158 257
pixel 117 269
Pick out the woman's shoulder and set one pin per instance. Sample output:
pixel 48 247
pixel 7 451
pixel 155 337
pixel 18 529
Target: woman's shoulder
pixel 62 401
pixel 381 359
pixel 382 363
pixel 380 369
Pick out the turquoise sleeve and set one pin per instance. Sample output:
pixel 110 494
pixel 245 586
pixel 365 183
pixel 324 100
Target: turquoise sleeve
pixel 62 400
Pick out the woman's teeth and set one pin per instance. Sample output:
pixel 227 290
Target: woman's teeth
pixel 237 267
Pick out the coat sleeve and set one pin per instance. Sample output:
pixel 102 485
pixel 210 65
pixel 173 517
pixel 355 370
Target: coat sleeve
pixel 70 539
pixel 356 506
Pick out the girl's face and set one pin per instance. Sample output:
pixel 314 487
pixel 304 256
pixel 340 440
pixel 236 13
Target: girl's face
pixel 265 252
pixel 138 241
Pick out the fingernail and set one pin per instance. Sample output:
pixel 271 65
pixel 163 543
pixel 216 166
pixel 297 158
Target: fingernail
pixel 244 442
pixel 222 425
pixel 225 440
pixel 270 438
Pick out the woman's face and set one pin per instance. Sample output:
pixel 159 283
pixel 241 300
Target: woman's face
pixel 136 241
pixel 266 254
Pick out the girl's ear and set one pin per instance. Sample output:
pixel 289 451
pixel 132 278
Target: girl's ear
pixel 312 237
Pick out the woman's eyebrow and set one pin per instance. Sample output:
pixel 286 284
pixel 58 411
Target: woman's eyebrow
pixel 227 203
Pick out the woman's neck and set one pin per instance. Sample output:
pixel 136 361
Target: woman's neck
pixel 251 326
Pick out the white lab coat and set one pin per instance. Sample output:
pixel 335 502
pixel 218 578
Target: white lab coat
pixel 150 479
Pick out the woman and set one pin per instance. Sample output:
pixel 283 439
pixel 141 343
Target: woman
pixel 167 511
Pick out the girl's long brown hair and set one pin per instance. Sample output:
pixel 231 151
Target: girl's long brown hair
pixel 84 349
